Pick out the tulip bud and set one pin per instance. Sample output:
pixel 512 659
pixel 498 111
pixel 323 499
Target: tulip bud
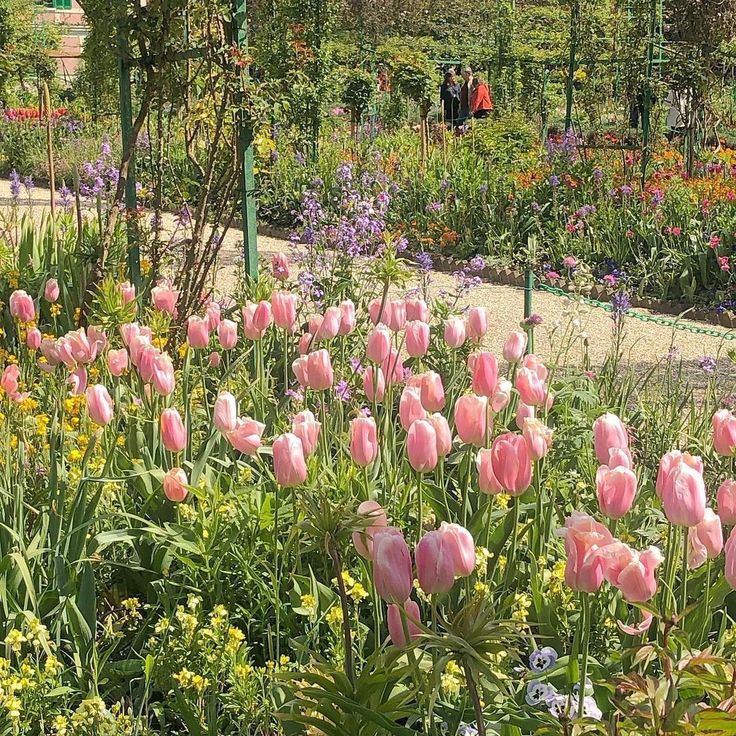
pixel 477 323
pixel 22 307
pixel 225 412
pixel 683 496
pixel 214 314
pixel 173 431
pixel 455 332
pixel 164 381
pixel 417 338
pixel 363 440
pixel 410 407
pixel 374 384
pixel 256 319
pixel 280 266
pixel 431 391
pixel 487 481
pixel 391 565
pixel 306 428
pixel 726 498
pixel 531 388
pixel 704 541
pixel 363 539
pixel 330 324
pixel 485 374
pixel 471 418
pixel 724 433
pixel 99 405
pixel 616 488
pixel 227 334
pixel 417 309
pixel 396 626
pixel 127 292
pixel 347 317
pixel 378 345
pixel 198 332
pixel 289 465
pixel 165 297
pixel 442 432
pixel 117 361
pixel 730 569
pixel 78 380
pixel 33 338
pixel 175 485
pixel 584 539
pixel 669 462
pixel 512 463
pixel 461 547
pixel 538 438
pixel 515 346
pixel 502 396
pixel 421 446
pixel 523 412
pixel 300 368
pixel 319 370
pixel 51 290
pixel 435 566
pixel 283 309
pixel 246 437
pixel 609 433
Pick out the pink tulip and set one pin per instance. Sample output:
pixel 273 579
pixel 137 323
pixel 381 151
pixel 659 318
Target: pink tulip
pixel 512 462
pixel 378 345
pixel 164 381
pixel 417 310
pixel 51 290
pixel 175 485
pixel 99 405
pixel 305 343
pixel 376 309
pixel 319 370
pixel 616 488
pixel 391 565
pixel 22 307
pixel 330 325
pixel 410 407
pixel 501 396
pixel 669 462
pixel 515 346
pixel 417 338
pixel 471 418
pixel 214 359
pixel 173 431
pixel 461 547
pixel 683 496
pixel 198 332
pixel 396 317
pixel 637 629
pixel 145 359
pixel 214 314
pixel 619 458
pixel 609 433
pixel 132 330
pixel 127 292
pixel 487 481
pixel 393 368
pixel 300 368
pixel 532 389
pixel 726 498
pixel 523 412
pixel 374 384
pixel 256 319
pixel 363 440
pixel 396 626
pixel 117 361
pixel 289 465
pixel 477 323
pixel 533 363
pixel 432 391
pixel 724 432
pixel 78 380
pixel 33 338
pixel 538 438
pixel 442 432
pixel 435 566
pixel 363 539
pixel 485 373
pixel 283 309
pixel 227 334
pixel 306 428
pixel 225 412
pixel 421 446
pixel 584 540
pixel 9 380
pixel 165 297
pixel 730 569
pixel 347 317
pixel 632 572
pixel 280 266
pixel 704 541
pixel 246 437
pixel 455 334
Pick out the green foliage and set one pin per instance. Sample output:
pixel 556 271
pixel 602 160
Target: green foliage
pixel 359 86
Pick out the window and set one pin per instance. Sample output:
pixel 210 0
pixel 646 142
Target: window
pixel 58 4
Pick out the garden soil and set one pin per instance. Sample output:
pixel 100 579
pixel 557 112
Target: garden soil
pixel 568 329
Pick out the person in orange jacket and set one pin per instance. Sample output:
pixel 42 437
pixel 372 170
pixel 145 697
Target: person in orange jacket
pixel 481 102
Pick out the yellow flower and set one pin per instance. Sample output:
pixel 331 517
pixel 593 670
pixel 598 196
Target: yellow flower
pixel 503 500
pixel 309 602
pixel 55 309
pixel 358 592
pixel 52 666
pixel 334 616
pixel 15 640
pixel 235 637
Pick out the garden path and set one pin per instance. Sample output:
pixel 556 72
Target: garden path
pixel 644 343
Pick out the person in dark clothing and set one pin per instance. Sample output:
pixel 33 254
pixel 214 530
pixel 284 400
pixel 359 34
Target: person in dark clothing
pixel 450 98
pixel 465 92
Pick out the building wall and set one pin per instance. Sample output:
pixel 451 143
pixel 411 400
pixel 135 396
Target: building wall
pixel 69 15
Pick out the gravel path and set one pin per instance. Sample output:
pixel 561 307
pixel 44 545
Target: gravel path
pixel 567 328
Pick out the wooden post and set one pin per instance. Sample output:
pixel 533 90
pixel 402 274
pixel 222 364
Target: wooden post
pixel 245 151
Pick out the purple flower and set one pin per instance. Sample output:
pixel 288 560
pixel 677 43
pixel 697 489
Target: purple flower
pixel 478 263
pixel 445 185
pixel 434 207
pixel 342 391
pixel 65 198
pixel 620 304
pixel 707 364
pixel 106 150
pixel 554 180
pixel 424 260
pixel 300 158
pixel 483 189
pixel 28 184
pixel 533 320
pixel 14 184
pixel 597 174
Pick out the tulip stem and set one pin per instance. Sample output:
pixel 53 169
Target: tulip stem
pixel 706 619
pixel 683 600
pixel 286 361
pixel 585 643
pixel 510 562
pixel 477 707
pixel 420 503
pixel 347 637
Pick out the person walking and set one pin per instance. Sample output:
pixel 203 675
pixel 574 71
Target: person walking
pixel 450 98
pixel 481 102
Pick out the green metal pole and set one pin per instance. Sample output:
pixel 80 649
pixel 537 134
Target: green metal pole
pixel 245 151
pixel 646 112
pixel 126 130
pixel 571 64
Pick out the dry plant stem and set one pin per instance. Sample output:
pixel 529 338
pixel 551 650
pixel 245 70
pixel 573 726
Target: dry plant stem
pixel 50 151
pixel 474 697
